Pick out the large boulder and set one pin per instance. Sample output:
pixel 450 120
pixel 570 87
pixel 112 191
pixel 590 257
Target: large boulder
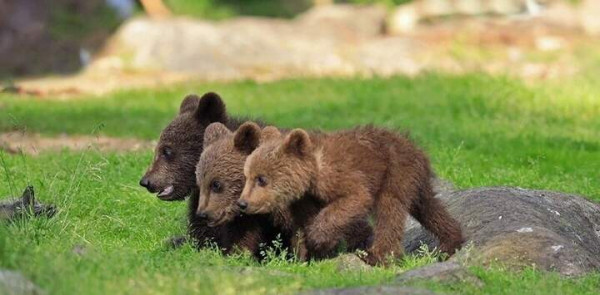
pixel 229 50
pixel 519 227
pixel 246 47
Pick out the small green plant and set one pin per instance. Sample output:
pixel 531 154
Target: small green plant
pixel 276 254
pixel 423 256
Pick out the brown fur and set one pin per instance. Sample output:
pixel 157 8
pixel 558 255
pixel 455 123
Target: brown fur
pixel 180 145
pixel 184 139
pixel 354 173
pixel 221 180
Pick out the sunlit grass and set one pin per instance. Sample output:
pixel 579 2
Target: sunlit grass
pixel 108 235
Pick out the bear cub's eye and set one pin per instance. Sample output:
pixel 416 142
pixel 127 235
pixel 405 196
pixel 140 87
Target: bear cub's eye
pixel 167 152
pixel 215 186
pixel 261 181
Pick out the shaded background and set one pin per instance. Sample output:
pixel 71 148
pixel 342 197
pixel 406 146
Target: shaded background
pixel 40 37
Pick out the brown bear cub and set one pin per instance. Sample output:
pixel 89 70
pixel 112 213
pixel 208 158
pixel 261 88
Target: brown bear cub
pixel 354 173
pixel 172 173
pixel 220 178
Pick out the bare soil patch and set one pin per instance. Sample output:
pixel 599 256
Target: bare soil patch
pixel 33 144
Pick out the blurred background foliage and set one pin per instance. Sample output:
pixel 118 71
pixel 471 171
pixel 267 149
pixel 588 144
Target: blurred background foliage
pixel 218 9
pixel 32 31
pixel 39 37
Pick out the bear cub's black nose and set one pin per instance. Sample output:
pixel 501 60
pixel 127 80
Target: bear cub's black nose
pixel 242 204
pixel 145 182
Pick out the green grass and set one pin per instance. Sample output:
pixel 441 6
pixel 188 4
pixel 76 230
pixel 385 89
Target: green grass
pixel 479 131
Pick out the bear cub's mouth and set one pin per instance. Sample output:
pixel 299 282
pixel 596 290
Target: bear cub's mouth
pixel 165 193
pixel 216 222
pixel 220 219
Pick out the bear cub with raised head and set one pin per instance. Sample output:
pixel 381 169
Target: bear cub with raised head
pixel 354 173
pixel 220 179
pixel 172 173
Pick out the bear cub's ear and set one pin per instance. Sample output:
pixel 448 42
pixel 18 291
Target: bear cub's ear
pixel 214 132
pixel 269 133
pixel 247 137
pixel 297 143
pixel 211 108
pixel 189 103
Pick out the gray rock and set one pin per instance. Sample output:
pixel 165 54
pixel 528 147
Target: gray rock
pixel 519 227
pixel 378 290
pixel 434 270
pixel 441 186
pixel 448 271
pixel 351 262
pixel 14 283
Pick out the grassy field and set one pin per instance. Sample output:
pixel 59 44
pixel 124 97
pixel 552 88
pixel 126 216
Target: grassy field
pixel 107 238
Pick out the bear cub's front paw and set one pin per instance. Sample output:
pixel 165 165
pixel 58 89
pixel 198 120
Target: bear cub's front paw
pixel 320 241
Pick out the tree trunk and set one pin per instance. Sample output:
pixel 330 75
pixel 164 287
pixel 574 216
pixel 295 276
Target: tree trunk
pixel 322 2
pixel 155 8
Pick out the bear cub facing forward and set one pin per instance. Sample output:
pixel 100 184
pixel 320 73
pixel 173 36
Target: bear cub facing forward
pixel 355 173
